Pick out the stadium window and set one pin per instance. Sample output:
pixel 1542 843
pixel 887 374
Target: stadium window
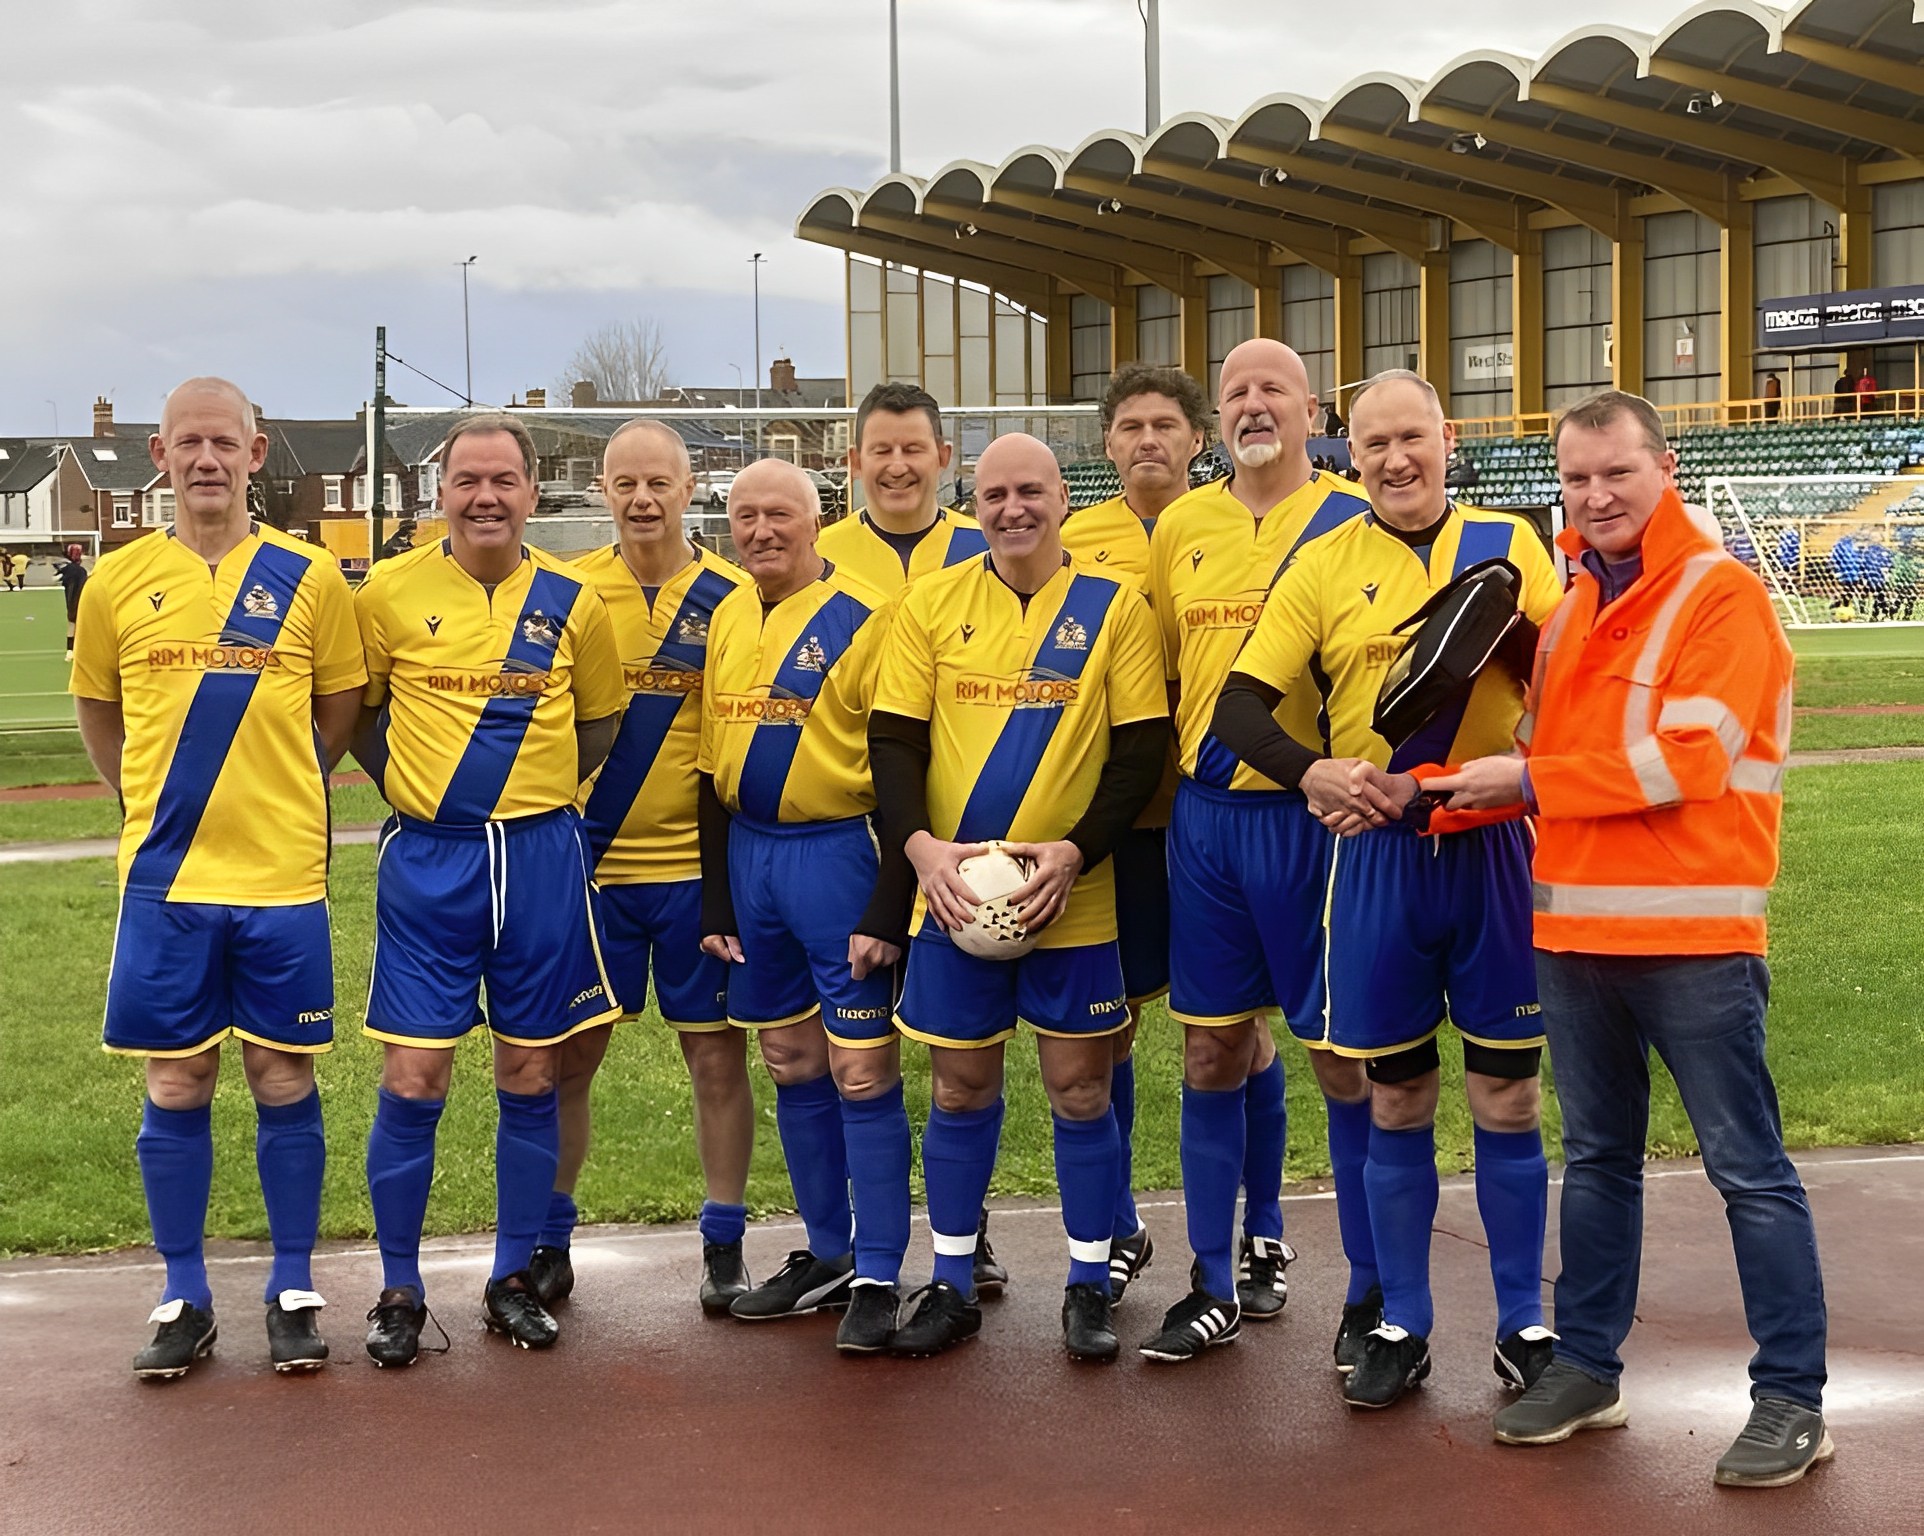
pixel 1793 244
pixel 1897 233
pixel 1576 313
pixel 1158 327
pixel 1682 308
pixel 160 509
pixel 1231 320
pixel 1391 329
pixel 1089 347
pixel 1309 323
pixel 1483 347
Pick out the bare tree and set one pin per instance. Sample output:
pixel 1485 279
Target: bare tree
pixel 624 360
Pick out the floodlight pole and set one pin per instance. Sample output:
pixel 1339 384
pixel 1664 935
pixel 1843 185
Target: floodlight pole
pixel 895 97
pixel 467 336
pixel 755 261
pixel 1151 66
pixel 377 451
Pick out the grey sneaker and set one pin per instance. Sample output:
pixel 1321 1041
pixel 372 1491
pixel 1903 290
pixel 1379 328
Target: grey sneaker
pixel 1563 1401
pixel 1782 1441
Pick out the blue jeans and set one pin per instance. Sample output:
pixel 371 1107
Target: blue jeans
pixel 1705 1016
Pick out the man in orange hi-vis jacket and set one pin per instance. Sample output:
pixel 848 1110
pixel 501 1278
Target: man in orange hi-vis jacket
pixel 1652 752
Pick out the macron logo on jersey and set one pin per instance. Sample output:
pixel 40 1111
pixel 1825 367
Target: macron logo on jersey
pixel 434 623
pixel 1369 592
pixel 156 598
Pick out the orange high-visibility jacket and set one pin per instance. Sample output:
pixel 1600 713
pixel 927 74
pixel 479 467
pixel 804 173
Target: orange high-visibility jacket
pixel 1656 733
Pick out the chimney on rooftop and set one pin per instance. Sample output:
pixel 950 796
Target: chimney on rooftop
pixel 537 399
pixel 584 395
pixel 781 376
pixel 103 416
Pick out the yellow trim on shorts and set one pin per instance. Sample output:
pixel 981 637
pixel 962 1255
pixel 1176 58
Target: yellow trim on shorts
pixel 439 1043
pixel 214 1042
pixel 1371 1053
pixel 859 1045
pixel 419 1042
pixel 1148 997
pixel 793 1018
pixel 952 1045
pixel 1267 1013
pixel 1506 1045
pixel 712 1027
pixel 275 1045
pixel 607 1017
pixel 1079 1034
pixel 1312 1045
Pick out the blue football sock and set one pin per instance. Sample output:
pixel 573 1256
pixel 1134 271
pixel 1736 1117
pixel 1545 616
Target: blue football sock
pixel 1213 1135
pixel 176 1152
pixel 290 1149
pixel 1266 1138
pixel 527 1151
pixel 1401 1178
pixel 722 1223
pixel 400 1168
pixel 1086 1155
pixel 1122 1106
pixel 1513 1196
pixel 558 1229
pixel 877 1135
pixel 809 1117
pixel 1349 1149
pixel 958 1159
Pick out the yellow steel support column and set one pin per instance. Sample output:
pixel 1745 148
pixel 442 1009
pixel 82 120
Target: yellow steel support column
pixel 1626 307
pixel 1061 364
pixel 1269 303
pixel 1854 236
pixel 1433 348
pixel 1122 326
pixel 1526 323
pixel 1194 299
pixel 1737 265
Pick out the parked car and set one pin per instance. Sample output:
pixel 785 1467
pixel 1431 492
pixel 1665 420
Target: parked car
pixel 712 485
pixel 834 493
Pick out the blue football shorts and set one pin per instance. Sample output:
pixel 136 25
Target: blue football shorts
pixel 799 889
pixel 1427 928
pixel 505 905
pixel 1141 862
pixel 185 975
pixel 957 1000
pixel 656 927
pixel 1248 875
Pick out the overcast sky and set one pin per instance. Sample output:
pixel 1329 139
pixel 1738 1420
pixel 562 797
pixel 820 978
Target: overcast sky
pixel 225 186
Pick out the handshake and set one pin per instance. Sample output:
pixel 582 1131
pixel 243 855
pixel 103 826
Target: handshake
pixel 1350 794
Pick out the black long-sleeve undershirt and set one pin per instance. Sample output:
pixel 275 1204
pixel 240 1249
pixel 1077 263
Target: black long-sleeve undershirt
pixel 1245 722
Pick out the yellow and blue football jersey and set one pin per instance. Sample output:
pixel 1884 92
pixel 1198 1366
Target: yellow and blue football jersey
pixel 1211 566
pixel 1110 538
pixel 215 671
pixel 482 688
pixel 638 812
pixel 1019 699
pixel 1340 603
pixel 784 724
pixel 854 546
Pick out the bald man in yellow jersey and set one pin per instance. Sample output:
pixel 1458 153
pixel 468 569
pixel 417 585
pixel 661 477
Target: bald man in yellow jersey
pixel 215 678
pixel 1019 703
pixel 1426 920
pixel 494 690
pixel 638 815
pixel 791 898
pixel 898 458
pixel 1153 424
pixel 1246 865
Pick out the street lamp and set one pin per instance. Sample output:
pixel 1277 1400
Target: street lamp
pixel 755 261
pixel 467 338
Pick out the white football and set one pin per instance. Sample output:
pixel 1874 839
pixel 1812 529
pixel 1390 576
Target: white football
pixel 994 932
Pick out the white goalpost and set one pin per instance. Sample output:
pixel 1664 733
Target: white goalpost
pixel 1832 549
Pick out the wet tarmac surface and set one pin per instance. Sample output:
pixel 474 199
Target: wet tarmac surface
pixel 648 1417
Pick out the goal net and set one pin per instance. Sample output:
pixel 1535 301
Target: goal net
pixel 1832 549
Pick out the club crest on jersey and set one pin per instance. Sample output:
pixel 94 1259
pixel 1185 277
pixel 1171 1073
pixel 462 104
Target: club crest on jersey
pixel 692 629
pixel 1071 636
pixel 157 598
pixel 434 623
pixel 259 603
pixel 811 657
pixel 538 629
pixel 1369 591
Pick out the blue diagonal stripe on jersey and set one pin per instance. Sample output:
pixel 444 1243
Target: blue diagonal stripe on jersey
pixel 482 774
pixel 1215 763
pixel 213 716
pixel 964 544
pixel 1012 762
pixel 1477 542
pixel 649 719
pixel 771 751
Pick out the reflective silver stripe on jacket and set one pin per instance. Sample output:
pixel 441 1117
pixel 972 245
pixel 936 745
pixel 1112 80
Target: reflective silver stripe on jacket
pixel 1706 711
pixel 1649 900
pixel 1640 744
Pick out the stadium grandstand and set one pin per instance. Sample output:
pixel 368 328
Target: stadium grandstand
pixel 1726 216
